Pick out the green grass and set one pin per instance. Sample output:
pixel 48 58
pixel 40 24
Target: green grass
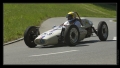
pixel 114 20
pixel 18 16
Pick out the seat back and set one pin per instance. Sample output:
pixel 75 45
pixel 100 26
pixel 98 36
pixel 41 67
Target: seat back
pixel 80 21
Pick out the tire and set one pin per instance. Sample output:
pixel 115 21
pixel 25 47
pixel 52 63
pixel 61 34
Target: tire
pixel 103 31
pixel 29 35
pixel 70 34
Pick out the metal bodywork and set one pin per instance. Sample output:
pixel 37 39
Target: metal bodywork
pixel 51 36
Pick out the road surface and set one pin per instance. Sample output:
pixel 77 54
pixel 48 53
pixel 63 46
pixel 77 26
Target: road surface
pixel 91 51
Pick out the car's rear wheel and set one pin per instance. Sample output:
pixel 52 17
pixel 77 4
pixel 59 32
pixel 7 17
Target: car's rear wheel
pixel 102 31
pixel 71 35
pixel 29 35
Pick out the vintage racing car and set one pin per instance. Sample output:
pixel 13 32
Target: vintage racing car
pixel 70 35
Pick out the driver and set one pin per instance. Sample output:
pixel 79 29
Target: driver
pixel 71 19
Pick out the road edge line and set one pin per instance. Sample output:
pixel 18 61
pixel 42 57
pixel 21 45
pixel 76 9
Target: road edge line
pixel 13 41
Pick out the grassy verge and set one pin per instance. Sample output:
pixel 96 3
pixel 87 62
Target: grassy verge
pixel 114 20
pixel 18 16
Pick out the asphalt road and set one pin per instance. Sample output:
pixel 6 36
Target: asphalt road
pixel 91 51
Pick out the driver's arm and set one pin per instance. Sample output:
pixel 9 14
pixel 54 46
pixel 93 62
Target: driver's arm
pixel 66 24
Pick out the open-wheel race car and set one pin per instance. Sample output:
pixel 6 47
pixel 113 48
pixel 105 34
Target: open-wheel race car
pixel 70 35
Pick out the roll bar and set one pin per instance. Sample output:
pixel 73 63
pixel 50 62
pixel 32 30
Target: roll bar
pixel 77 15
pixel 79 18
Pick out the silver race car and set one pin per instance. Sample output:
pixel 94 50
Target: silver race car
pixel 70 35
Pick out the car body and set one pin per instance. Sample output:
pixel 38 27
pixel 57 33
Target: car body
pixel 50 37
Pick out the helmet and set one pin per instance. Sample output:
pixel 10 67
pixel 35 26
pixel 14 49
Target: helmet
pixel 71 16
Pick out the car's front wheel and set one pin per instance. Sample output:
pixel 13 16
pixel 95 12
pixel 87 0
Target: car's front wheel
pixel 29 35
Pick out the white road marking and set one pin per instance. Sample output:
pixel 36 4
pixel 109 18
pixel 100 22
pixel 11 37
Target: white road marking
pixel 110 20
pixel 53 53
pixel 114 38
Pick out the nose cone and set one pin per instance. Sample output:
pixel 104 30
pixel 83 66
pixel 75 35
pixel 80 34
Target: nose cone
pixel 40 41
pixel 48 37
pixel 47 40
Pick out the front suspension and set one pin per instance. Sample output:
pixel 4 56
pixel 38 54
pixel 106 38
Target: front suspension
pixel 94 31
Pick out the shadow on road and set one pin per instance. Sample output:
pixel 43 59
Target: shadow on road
pixel 60 45
pixel 80 44
pixel 94 41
